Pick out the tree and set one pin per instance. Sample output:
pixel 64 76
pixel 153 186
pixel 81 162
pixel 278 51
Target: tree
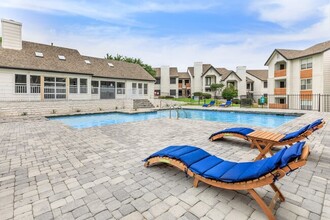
pixel 215 87
pixel 138 61
pixel 229 92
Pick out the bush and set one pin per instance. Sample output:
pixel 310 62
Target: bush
pixel 206 95
pixel 236 101
pixel 198 94
pixel 166 97
pixel 229 92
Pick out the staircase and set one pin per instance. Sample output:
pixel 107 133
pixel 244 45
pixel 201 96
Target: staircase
pixel 142 103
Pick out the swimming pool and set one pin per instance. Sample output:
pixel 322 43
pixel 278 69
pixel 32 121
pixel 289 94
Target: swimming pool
pixel 247 119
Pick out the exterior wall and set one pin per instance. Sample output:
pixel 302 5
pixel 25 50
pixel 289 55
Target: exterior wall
pixel 7 86
pixel 197 80
pixel 165 81
pixel 175 87
pixel 233 77
pixel 11 34
pixel 215 78
pixel 258 86
pixel 326 72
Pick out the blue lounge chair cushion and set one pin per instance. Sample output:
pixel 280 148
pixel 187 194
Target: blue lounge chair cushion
pixel 238 130
pixel 212 167
pixel 315 123
pixel 210 104
pixel 291 153
pixel 295 133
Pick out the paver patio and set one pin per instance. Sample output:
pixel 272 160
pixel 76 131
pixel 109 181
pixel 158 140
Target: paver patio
pixel 51 171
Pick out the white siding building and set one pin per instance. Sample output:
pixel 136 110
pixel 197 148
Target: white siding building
pixel 303 73
pixel 33 71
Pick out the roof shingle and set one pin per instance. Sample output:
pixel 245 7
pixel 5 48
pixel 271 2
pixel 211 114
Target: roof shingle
pixel 259 74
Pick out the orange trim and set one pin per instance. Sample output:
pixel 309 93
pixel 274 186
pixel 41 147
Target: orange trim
pixel 280 91
pixel 278 105
pixel 306 95
pixel 306 73
pixel 280 73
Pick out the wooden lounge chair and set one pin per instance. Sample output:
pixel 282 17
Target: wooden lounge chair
pixel 210 104
pixel 248 176
pixel 265 140
pixel 227 104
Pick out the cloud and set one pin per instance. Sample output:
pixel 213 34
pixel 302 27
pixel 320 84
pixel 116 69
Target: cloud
pixel 287 13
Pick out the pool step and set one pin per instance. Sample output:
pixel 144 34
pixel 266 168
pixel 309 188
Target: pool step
pixel 142 103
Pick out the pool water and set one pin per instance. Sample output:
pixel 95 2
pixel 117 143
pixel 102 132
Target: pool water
pixel 244 119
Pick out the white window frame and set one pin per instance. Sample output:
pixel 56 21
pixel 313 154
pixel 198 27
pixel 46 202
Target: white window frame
pixel 306 84
pixel 306 63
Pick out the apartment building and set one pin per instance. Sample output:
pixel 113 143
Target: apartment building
pixel 200 77
pixel 38 72
pixel 298 72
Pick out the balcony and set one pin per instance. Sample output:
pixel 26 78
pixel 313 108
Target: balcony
pixel 184 86
pixel 278 106
pixel 280 73
pixel 306 95
pixel 308 73
pixel 280 91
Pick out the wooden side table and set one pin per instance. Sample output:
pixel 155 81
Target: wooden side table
pixel 264 141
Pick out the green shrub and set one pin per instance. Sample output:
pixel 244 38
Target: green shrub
pixel 198 94
pixel 166 97
pixel 236 101
pixel 206 95
pixel 229 93
pixel 266 101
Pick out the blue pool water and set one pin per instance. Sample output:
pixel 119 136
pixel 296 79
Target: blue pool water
pixel 245 119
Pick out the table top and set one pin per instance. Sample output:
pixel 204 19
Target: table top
pixel 266 135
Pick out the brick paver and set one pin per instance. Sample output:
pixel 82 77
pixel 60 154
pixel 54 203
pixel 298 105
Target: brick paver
pixel 51 171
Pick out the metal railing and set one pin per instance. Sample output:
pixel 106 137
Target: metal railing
pixel 20 88
pixel 312 102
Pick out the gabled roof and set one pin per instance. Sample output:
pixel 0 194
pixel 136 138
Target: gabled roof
pixel 225 73
pixel 295 54
pixel 183 75
pixel 74 62
pixel 173 72
pixel 207 67
pixel 191 71
pixel 249 80
pixel 259 74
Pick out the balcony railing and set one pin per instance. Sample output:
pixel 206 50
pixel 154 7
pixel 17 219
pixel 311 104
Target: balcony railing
pixel 278 105
pixel 308 73
pixel 280 91
pixel 35 89
pixel 20 88
pixel 306 95
pixel 280 73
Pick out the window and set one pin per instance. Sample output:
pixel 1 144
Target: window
pixel 282 84
pixel 173 92
pixel 87 62
pixel 39 54
pixel 157 81
pixel 306 84
pixel 120 88
pixel 73 85
pixel 95 87
pixel 172 80
pixel 61 57
pixel 307 63
pixel 83 85
pixel 145 89
pixel 134 88
pixel 282 66
pixel 20 83
pixel 140 88
pixel 207 81
pixel 248 86
pixel 265 95
pixel 34 84
pixel 55 88
pixel 265 84
pixel 281 101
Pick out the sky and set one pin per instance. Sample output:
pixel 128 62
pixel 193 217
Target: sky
pixel 175 32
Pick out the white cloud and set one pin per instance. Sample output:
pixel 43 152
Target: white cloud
pixel 287 13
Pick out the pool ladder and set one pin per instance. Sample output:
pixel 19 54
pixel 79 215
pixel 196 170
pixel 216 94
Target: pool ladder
pixel 177 109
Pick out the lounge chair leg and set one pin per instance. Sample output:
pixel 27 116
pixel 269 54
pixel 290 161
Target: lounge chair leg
pixel 262 204
pixel 196 181
pixel 276 190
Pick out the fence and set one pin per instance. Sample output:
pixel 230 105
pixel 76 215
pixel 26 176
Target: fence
pixel 313 102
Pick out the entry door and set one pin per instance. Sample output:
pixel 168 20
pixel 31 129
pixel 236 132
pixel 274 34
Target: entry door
pixel 108 90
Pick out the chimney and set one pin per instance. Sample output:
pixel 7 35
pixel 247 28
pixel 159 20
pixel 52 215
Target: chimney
pixel 241 72
pixel 11 34
pixel 165 80
pixel 198 70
